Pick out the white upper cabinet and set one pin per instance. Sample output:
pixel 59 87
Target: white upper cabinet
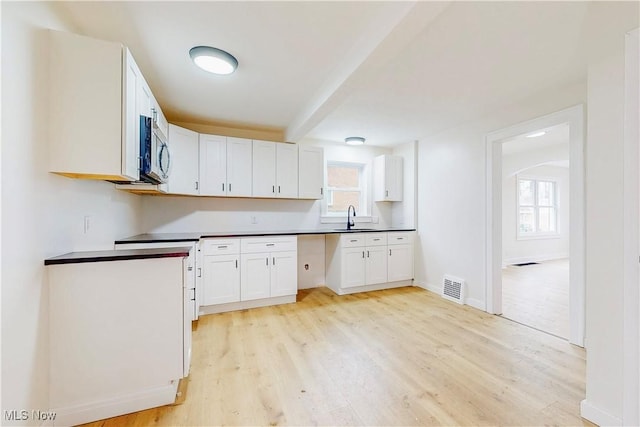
pixel 264 169
pixel 96 96
pixel 213 165
pixel 239 167
pixel 388 175
pixel 311 172
pixel 183 146
pixel 287 170
pixel 275 169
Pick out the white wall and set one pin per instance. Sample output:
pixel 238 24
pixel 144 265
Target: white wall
pixel 403 214
pixel 533 250
pixel 452 186
pixel 42 214
pixel 604 211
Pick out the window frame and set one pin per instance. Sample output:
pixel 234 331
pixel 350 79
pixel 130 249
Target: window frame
pixel 363 215
pixel 536 234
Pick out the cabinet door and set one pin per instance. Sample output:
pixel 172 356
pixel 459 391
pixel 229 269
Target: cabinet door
pixel 394 177
pixel 311 172
pixel 213 165
pixel 284 273
pixel 239 167
pixel 145 98
pixel 353 267
pixel 255 277
pixel 376 265
pixel 220 279
pixel 264 169
pixel 183 146
pixel 287 170
pixel 400 262
pixel 131 120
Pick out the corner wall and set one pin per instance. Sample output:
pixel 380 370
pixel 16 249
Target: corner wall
pixel 42 214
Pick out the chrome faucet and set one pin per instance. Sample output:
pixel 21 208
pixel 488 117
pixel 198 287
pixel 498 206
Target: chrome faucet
pixel 350 222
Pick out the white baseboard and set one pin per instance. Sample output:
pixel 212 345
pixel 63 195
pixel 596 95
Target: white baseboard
pixel 598 416
pixel 437 289
pixel 241 305
pixel 119 405
pixel 369 288
pixel 534 258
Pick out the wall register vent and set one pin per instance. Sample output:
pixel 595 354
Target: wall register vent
pixel 453 289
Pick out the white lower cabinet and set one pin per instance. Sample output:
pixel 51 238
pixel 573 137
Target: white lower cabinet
pixel 226 286
pixel 359 262
pixel 248 272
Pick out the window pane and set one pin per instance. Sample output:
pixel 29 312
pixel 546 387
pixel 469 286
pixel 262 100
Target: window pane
pixel 546 220
pixel 343 176
pixel 525 193
pixel 342 200
pixel 545 193
pixel 527 221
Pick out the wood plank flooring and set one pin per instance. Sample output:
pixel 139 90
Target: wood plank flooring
pixel 395 357
pixel 538 296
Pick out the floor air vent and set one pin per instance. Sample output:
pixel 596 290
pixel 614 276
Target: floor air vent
pixel 453 289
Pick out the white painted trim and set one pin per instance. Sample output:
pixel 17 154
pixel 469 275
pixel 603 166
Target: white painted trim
pixel 493 280
pixel 117 405
pixel 376 287
pixel 631 353
pixel 598 416
pixel 241 305
pixel 535 258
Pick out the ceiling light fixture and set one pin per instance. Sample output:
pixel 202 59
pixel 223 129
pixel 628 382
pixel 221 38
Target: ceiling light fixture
pixel 213 60
pixel 354 140
pixel 537 134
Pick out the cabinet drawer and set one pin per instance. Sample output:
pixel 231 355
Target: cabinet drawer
pixel 220 246
pixel 352 240
pixel 269 244
pixel 400 238
pixel 376 239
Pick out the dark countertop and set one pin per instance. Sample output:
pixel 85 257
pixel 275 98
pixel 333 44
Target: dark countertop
pixel 121 255
pixel 193 237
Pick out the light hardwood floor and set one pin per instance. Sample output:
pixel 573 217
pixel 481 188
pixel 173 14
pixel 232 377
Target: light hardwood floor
pixel 538 296
pixel 395 357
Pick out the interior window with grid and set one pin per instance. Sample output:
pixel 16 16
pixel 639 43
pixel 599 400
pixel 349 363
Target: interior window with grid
pixel 537 207
pixel 344 187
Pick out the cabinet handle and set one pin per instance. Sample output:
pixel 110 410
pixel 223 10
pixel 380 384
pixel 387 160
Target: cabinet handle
pixel 196 185
pixel 222 247
pixel 267 260
pixel 271 244
pixel 274 261
pixel 236 264
pixel 229 187
pixel 399 238
pixel 376 240
pixel 387 193
pixel 199 272
pixel 389 252
pixel 273 188
pixel 278 189
pixel 189 268
pixel 353 240
pixel 321 191
pixel 223 187
pixel 362 254
pixel 194 294
pixel 367 254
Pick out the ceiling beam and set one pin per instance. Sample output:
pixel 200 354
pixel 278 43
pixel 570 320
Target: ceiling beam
pixel 383 41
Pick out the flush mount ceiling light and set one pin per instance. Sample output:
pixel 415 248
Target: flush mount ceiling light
pixel 213 60
pixel 354 140
pixel 537 134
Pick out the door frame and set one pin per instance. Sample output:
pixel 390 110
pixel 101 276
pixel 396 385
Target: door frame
pixel 574 116
pixel 631 353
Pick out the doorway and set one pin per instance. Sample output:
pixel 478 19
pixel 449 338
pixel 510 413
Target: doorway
pixel 573 118
pixel 535 229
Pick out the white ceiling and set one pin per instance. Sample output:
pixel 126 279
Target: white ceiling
pixel 555 135
pixel 389 71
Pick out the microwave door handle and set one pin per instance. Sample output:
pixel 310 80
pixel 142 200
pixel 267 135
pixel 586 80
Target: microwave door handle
pixel 164 151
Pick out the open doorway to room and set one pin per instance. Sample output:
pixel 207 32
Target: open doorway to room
pixel 573 117
pixel 535 229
